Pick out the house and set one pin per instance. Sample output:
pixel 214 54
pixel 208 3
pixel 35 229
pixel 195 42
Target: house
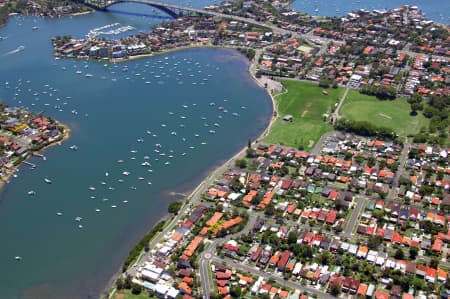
pixel 430 275
pixel 362 290
pixel 362 252
pixel 421 271
pixel 411 267
pixel 381 295
pixel 396 292
pixel 283 260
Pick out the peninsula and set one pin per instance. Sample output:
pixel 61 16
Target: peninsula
pixel 24 134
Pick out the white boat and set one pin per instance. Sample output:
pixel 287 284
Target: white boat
pixel 31 192
pixel 78 219
pixel 59 214
pixel 88 75
pixel 98 210
pixel 80 226
pixel 140 178
pixel 92 188
pixel 125 173
pixel 47 181
pixel 18 258
pixel 73 147
pixel 125 201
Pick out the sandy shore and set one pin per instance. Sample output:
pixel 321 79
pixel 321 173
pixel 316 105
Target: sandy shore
pixel 81 13
pixel 217 170
pixel 173 50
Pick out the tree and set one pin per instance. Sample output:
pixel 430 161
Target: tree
pixel 325 83
pixel 241 163
pixel 374 242
pixel 136 289
pixel 335 288
pixel 413 252
pixel 235 292
pixel 21 5
pixel 127 283
pixel 174 207
pixel 251 153
pixel 269 210
pixel 292 238
pixel 399 254
pixel 120 283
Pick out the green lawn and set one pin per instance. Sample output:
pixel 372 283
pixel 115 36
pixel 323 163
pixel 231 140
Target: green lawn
pixel 392 114
pixel 306 103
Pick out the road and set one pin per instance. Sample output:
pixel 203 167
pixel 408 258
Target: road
pixel 401 168
pixel 275 29
pixel 354 217
pixel 209 252
pixel 280 280
pixel 336 112
pixel 321 141
pixel 195 196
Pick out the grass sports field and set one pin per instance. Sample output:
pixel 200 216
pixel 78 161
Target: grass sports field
pixel 392 114
pixel 307 104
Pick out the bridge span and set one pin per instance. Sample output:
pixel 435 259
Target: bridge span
pixel 170 9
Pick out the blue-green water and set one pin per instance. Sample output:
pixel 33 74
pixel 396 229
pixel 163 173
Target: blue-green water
pixel 436 10
pixel 59 259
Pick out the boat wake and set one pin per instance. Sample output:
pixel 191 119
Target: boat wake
pixel 19 49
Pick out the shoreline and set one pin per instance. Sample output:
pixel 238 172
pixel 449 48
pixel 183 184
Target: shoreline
pixel 66 135
pixel 168 51
pixel 214 171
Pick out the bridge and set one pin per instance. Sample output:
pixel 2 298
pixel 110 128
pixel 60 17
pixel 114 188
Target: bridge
pixel 171 9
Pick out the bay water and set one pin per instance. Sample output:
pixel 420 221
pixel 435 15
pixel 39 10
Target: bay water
pixel 178 115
